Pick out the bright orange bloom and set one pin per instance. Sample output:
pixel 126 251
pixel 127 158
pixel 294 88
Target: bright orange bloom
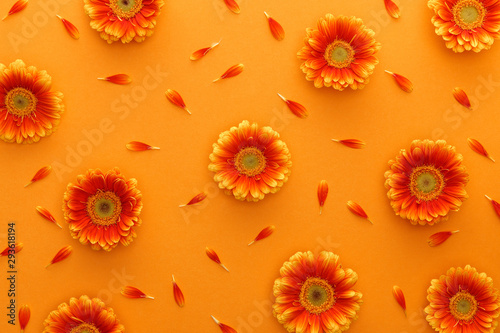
pixel 297 109
pixel 403 83
pixel 357 210
pixel 40 174
pixel 352 143
pixel 462 97
pixel 440 237
pixel 399 296
pixel 276 28
pixel 463 301
pixel 133 292
pixel 12 250
pixel 83 315
pixel 233 6
pixel 496 205
pixel 214 257
pixel 196 199
pixel 322 194
pixel 103 209
pixel 70 27
pixel 29 109
pixel 178 295
pixel 392 8
pixel 47 215
pixel 16 8
pixel 139 146
pixel 232 71
pixel 203 52
pixel 24 316
pixel 340 53
pixel 250 161
pixel 315 295
pixel 223 327
pixel 478 148
pixel 61 255
pixel 264 233
pixel 426 182
pixel 466 24
pixel 117 79
pixel 124 20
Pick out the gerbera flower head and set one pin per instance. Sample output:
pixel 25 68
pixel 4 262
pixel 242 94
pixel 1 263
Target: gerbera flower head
pixel 83 315
pixel 250 161
pixel 103 209
pixel 466 24
pixel 315 295
pixel 463 300
pixel 340 53
pixel 426 182
pixel 124 20
pixel 29 109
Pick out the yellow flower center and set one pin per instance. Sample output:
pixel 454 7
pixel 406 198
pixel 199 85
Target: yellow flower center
pixel 20 102
pixel 125 9
pixel 316 295
pixel 104 208
pixel 426 183
pixel 469 14
pixel 250 161
pixel 339 54
pixel 85 328
pixel 463 306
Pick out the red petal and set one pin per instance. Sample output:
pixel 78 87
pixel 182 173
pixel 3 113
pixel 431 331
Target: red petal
pixel 117 79
pixel 232 71
pixel 322 194
pixel 399 296
pixel 402 82
pixel 351 143
pixel 61 255
pixel 47 215
pixel 202 52
pixel 440 237
pixel 233 6
pixel 139 146
pixel 461 97
pixel 40 174
pixel 15 249
pixel 24 316
pixel 356 209
pixel 224 328
pixel 392 8
pixel 214 257
pixel 17 7
pixel 72 30
pixel 175 98
pixel 478 148
pixel 276 28
pixel 133 292
pixel 264 233
pixel 196 199
pixel 178 296
pixel 495 204
pixel 297 109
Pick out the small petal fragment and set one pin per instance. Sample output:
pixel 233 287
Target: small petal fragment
pixel 61 255
pixel 233 6
pixel 462 97
pixel 351 143
pixel 133 292
pixel 40 174
pixel 264 233
pixel 440 237
pixel 214 257
pixel 175 98
pixel 24 316
pixel 178 295
pixel 196 199
pixel 224 328
pixel 402 82
pixel 47 215
pixel 276 28
pixel 392 9
pixel 322 194
pixel 495 204
pixel 17 7
pixel 72 30
pixel 203 52
pixel 478 148
pixel 297 109
pixel 11 250
pixel 117 79
pixel 232 71
pixel 139 146
pixel 399 296
pixel 356 209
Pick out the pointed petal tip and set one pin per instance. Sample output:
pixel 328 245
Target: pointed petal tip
pixel 224 267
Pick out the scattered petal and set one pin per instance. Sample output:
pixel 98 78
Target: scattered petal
pixel 17 247
pixel 214 257
pixel 175 98
pixel 478 148
pixel 196 199
pixel 47 215
pixel 133 292
pixel 495 204
pixel 462 97
pixel 139 146
pixel 402 82
pixel 276 28
pixel 24 316
pixel 17 7
pixel 351 143
pixel 61 255
pixel 356 209
pixel 264 233
pixel 40 174
pixel 399 296
pixel 392 9
pixel 178 296
pixel 440 237
pixel 232 71
pixel 72 30
pixel 117 79
pixel 322 194
pixel 233 6
pixel 297 109
pixel 203 52
pixel 224 328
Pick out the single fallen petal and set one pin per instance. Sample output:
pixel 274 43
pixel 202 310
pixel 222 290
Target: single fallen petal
pixel 322 194
pixel 399 296
pixel 175 98
pixel 40 174
pixel 276 28
pixel 24 316
pixel 11 250
pixel 117 79
pixel 139 146
pixel 233 6
pixel 196 199
pixel 61 255
pixel 495 204
pixel 462 97
pixel 402 82
pixel 178 296
pixel 224 328
pixel 356 209
pixel 351 143
pixel 17 7
pixel 264 233
pixel 297 109
pixel 47 215
pixel 232 71
pixel 133 292
pixel 70 27
pixel 203 52
pixel 392 8
pixel 214 257
pixel 440 237
pixel 478 148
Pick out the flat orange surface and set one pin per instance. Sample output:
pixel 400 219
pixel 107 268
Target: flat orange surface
pixel 101 118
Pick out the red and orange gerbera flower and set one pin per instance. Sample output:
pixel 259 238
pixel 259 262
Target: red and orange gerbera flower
pixel 426 182
pixel 340 53
pixel 466 24
pixel 103 208
pixel 123 19
pixel 83 315
pixel 250 161
pixel 463 301
pixel 29 109
pixel 315 295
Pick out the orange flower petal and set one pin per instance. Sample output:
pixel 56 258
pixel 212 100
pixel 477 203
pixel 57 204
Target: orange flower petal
pixel 214 257
pixel 72 30
pixel 17 247
pixel 478 148
pixel 139 146
pixel 440 237
pixel 276 28
pixel 175 98
pixel 224 328
pixel 264 233
pixel 392 8
pixel 47 215
pixel 462 97
pixel 356 209
pixel 40 174
pixel 297 109
pixel 17 7
pixel 178 296
pixel 402 82
pixel 196 199
pixel 322 194
pixel 232 71
pixel 133 292
pixel 203 52
pixel 117 79
pixel 495 204
pixel 351 143
pixel 233 6
pixel 61 255
pixel 399 296
pixel 24 316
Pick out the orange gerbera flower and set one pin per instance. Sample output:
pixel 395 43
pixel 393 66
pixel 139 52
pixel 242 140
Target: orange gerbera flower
pixel 315 295
pixel 466 24
pixel 83 315
pixel 123 19
pixel 340 53
pixel 463 301
pixel 426 182
pixel 29 109
pixel 250 161
pixel 103 209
